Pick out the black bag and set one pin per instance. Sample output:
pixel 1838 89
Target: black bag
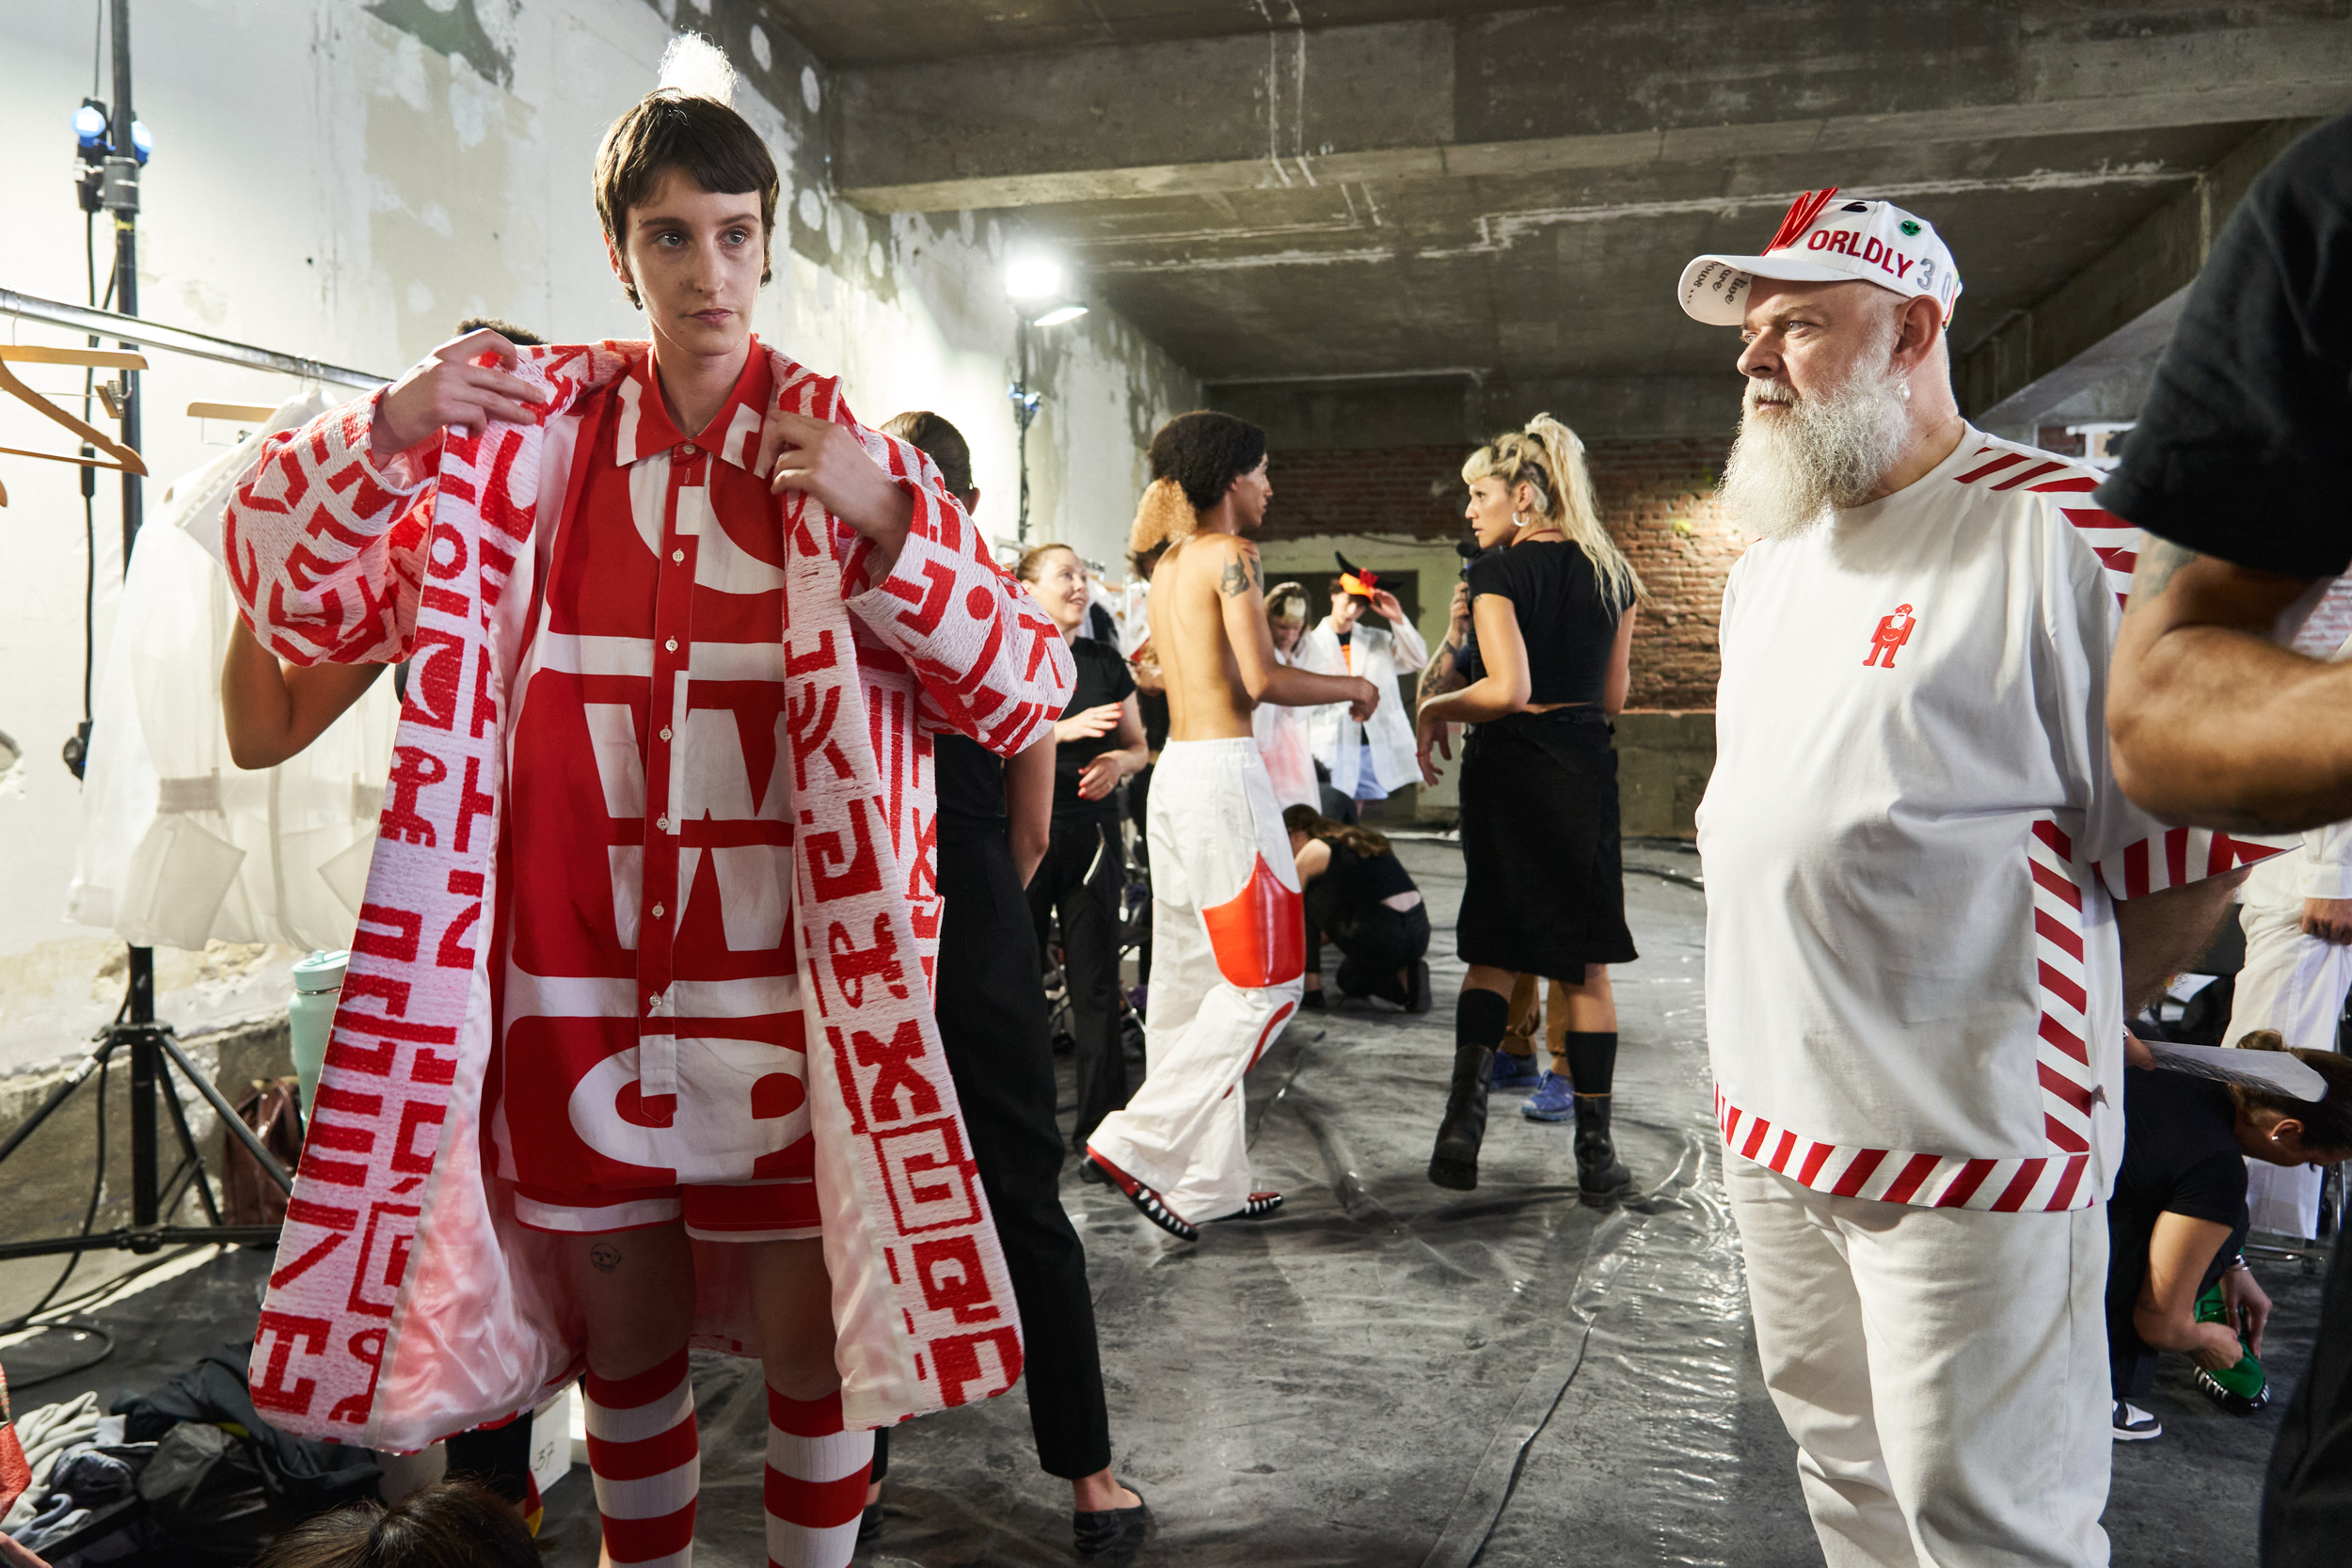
pixel 303 1477
pixel 204 1495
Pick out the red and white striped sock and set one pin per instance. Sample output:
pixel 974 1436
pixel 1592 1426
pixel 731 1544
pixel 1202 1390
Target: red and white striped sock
pixel 647 1463
pixel 816 1482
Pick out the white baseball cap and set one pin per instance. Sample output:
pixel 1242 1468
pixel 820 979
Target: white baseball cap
pixel 1826 241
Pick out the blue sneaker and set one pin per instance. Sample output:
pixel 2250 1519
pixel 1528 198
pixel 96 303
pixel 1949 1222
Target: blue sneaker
pixel 1555 1099
pixel 1513 1072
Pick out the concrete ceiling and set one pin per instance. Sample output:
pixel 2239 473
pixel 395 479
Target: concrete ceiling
pixel 1381 215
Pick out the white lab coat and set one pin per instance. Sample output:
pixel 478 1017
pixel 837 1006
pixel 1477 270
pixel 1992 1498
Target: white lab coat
pixel 2292 982
pixel 1381 657
pixel 1282 742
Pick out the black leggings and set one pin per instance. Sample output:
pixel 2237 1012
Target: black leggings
pixel 1081 877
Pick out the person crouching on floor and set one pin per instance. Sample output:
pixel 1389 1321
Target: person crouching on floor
pixel 1360 895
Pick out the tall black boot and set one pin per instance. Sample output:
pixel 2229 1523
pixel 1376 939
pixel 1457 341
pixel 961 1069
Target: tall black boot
pixel 1479 1020
pixel 1599 1172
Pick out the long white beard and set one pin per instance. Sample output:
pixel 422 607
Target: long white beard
pixel 1787 471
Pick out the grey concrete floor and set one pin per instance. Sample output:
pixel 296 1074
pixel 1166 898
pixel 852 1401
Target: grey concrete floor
pixel 1389 1374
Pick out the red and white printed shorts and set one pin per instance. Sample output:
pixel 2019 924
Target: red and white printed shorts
pixel 728 1151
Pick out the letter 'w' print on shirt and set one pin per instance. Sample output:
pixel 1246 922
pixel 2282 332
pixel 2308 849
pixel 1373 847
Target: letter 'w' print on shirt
pixel 1893 632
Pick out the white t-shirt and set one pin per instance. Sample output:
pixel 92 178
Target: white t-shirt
pixel 1913 836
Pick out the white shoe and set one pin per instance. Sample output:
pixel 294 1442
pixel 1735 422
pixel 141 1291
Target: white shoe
pixel 2134 1425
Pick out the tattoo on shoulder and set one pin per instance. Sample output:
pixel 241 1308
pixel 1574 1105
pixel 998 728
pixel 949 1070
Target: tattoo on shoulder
pixel 1240 575
pixel 2159 562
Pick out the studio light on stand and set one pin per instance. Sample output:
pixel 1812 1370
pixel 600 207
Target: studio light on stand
pixel 113 145
pixel 1034 283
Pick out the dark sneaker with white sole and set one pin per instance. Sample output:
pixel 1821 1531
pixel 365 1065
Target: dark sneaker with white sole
pixel 2134 1425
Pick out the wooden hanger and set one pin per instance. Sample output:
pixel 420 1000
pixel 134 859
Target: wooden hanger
pixel 242 413
pixel 124 458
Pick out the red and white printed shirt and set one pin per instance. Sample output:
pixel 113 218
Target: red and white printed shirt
pixel 651 998
pixel 1913 839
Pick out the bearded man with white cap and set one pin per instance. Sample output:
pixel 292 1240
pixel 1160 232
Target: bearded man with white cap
pixel 1928 905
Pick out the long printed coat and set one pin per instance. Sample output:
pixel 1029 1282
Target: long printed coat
pixel 405 1302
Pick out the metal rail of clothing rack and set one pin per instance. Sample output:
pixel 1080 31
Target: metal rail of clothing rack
pixel 154 1052
pixel 137 332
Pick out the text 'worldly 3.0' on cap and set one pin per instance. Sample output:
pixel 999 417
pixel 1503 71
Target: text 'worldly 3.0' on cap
pixel 1823 240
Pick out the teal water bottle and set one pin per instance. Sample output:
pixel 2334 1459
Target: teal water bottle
pixel 310 1016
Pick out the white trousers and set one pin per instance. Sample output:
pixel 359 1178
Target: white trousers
pixel 1942 1370
pixel 1228 964
pixel 2294 984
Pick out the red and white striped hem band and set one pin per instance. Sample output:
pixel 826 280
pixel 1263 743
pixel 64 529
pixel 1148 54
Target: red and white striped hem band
pixel 2024 1185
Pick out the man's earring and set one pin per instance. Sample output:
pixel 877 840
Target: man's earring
pixel 1906 391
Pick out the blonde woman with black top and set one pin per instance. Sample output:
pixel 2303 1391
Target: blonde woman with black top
pixel 1552 604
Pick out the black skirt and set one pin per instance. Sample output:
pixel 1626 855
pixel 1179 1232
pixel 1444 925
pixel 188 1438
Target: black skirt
pixel 1544 882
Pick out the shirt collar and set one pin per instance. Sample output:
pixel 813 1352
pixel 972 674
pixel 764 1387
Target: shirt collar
pixel 645 425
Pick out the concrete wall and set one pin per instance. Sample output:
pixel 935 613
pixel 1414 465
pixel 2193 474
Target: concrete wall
pixel 1663 762
pixel 346 181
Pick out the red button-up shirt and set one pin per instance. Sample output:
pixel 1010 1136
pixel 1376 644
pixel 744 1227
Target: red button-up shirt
pixel 651 1001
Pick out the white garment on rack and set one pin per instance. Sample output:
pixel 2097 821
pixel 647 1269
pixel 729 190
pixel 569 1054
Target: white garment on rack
pixel 179 845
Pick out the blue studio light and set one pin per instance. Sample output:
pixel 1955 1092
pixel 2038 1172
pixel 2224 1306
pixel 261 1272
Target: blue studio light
pixel 141 143
pixel 89 126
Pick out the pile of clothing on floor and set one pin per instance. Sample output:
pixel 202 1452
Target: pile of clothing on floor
pixel 187 1474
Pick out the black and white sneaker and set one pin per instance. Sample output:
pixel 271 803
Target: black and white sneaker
pixel 2134 1425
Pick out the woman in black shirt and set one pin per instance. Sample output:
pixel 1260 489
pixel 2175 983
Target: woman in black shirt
pixel 1553 603
pixel 2178 1218
pixel 1098 742
pixel 993 1029
pixel 1360 895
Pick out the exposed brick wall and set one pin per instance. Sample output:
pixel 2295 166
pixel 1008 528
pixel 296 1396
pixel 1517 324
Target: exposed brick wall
pixel 1657 497
pixel 1415 491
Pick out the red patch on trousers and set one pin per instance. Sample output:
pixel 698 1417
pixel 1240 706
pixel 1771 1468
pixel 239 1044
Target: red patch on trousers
pixel 1260 934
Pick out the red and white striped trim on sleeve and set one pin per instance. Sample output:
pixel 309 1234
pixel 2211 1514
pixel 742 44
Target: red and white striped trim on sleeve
pixel 2115 542
pixel 2177 857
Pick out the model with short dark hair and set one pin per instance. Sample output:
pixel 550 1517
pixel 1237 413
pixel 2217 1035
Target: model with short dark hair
pixel 636 1049
pixel 1227 930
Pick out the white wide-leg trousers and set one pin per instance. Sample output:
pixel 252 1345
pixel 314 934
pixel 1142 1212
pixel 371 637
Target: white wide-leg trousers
pixel 1228 944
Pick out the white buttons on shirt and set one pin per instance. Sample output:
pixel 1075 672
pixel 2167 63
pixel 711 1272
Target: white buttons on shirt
pixel 665 731
pixel 662 823
pixel 688 448
pixel 677 555
pixel 670 645
pixel 657 911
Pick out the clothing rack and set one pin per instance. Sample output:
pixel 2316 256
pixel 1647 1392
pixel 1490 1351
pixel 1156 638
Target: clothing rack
pixel 154 1052
pixel 142 333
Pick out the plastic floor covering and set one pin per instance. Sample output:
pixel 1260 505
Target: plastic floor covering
pixel 1386 1374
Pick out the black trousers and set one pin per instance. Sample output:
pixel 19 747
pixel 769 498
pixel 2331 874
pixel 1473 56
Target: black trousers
pixel 1088 905
pixel 993 1023
pixel 1373 944
pixel 1138 804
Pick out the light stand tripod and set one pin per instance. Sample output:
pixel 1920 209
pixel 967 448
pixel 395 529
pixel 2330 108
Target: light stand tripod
pixel 152 1048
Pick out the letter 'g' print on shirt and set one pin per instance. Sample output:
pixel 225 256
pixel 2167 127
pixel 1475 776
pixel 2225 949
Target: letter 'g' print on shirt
pixel 1893 632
